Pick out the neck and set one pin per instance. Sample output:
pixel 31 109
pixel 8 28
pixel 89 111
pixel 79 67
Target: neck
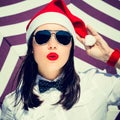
pixel 50 75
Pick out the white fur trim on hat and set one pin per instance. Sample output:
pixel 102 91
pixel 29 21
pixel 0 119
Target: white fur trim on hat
pixel 50 17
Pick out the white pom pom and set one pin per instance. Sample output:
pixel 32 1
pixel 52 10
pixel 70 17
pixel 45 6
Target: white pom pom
pixel 90 40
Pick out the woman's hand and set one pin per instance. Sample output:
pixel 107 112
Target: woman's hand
pixel 100 50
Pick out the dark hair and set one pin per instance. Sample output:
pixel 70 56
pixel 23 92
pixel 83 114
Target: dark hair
pixel 27 78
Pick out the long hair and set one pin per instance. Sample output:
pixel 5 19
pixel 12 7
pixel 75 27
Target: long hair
pixel 27 77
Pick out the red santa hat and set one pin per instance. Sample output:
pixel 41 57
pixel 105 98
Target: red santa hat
pixel 57 12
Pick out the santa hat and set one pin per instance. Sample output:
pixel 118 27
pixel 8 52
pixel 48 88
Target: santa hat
pixel 57 12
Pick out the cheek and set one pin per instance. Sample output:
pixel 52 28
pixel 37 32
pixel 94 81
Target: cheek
pixel 38 54
pixel 41 52
pixel 65 53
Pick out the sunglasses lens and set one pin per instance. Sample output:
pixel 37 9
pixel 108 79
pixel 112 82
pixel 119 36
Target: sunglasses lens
pixel 42 37
pixel 63 37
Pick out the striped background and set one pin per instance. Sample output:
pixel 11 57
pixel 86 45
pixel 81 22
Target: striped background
pixel 103 15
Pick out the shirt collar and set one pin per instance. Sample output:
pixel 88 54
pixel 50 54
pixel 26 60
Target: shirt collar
pixel 39 77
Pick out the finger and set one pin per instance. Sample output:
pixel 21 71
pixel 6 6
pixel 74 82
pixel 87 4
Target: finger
pixel 80 39
pixel 87 48
pixel 92 31
pixel 89 40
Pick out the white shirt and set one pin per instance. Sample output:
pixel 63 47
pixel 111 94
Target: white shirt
pixel 98 91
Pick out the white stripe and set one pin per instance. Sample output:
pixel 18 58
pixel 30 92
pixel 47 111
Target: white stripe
pixel 10 63
pixel 14 29
pixel 81 65
pixel 21 7
pixel 102 28
pixel 105 8
pixel 106 30
pixel 1 38
pixel 118 71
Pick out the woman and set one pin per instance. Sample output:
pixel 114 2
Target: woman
pixel 48 85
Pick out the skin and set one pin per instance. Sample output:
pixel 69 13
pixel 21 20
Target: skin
pixel 47 68
pixel 51 69
pixel 100 50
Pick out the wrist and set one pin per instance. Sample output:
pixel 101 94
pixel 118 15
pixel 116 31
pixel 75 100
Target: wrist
pixel 114 57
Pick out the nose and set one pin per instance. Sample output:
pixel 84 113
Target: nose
pixel 52 43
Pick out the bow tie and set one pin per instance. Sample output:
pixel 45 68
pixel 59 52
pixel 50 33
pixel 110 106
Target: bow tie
pixel 46 85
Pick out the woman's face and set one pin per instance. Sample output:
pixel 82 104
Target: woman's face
pixel 52 55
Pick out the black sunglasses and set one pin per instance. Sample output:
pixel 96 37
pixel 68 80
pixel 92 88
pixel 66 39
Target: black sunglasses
pixel 43 36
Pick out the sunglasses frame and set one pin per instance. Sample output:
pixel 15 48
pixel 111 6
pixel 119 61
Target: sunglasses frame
pixel 53 32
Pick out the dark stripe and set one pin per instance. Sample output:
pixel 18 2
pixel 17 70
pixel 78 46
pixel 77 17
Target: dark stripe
pixel 97 14
pixel 67 1
pixel 17 18
pixel 17 39
pixel 10 86
pixel 118 117
pixel 110 69
pixel 13 19
pixel 114 3
pixel 20 39
pixel 111 42
pixel 4 49
pixel 7 43
pixel 8 2
pixel 81 54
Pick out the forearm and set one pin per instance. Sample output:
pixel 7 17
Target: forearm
pixel 100 49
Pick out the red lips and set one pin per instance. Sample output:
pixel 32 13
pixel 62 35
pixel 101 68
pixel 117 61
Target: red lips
pixel 52 56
